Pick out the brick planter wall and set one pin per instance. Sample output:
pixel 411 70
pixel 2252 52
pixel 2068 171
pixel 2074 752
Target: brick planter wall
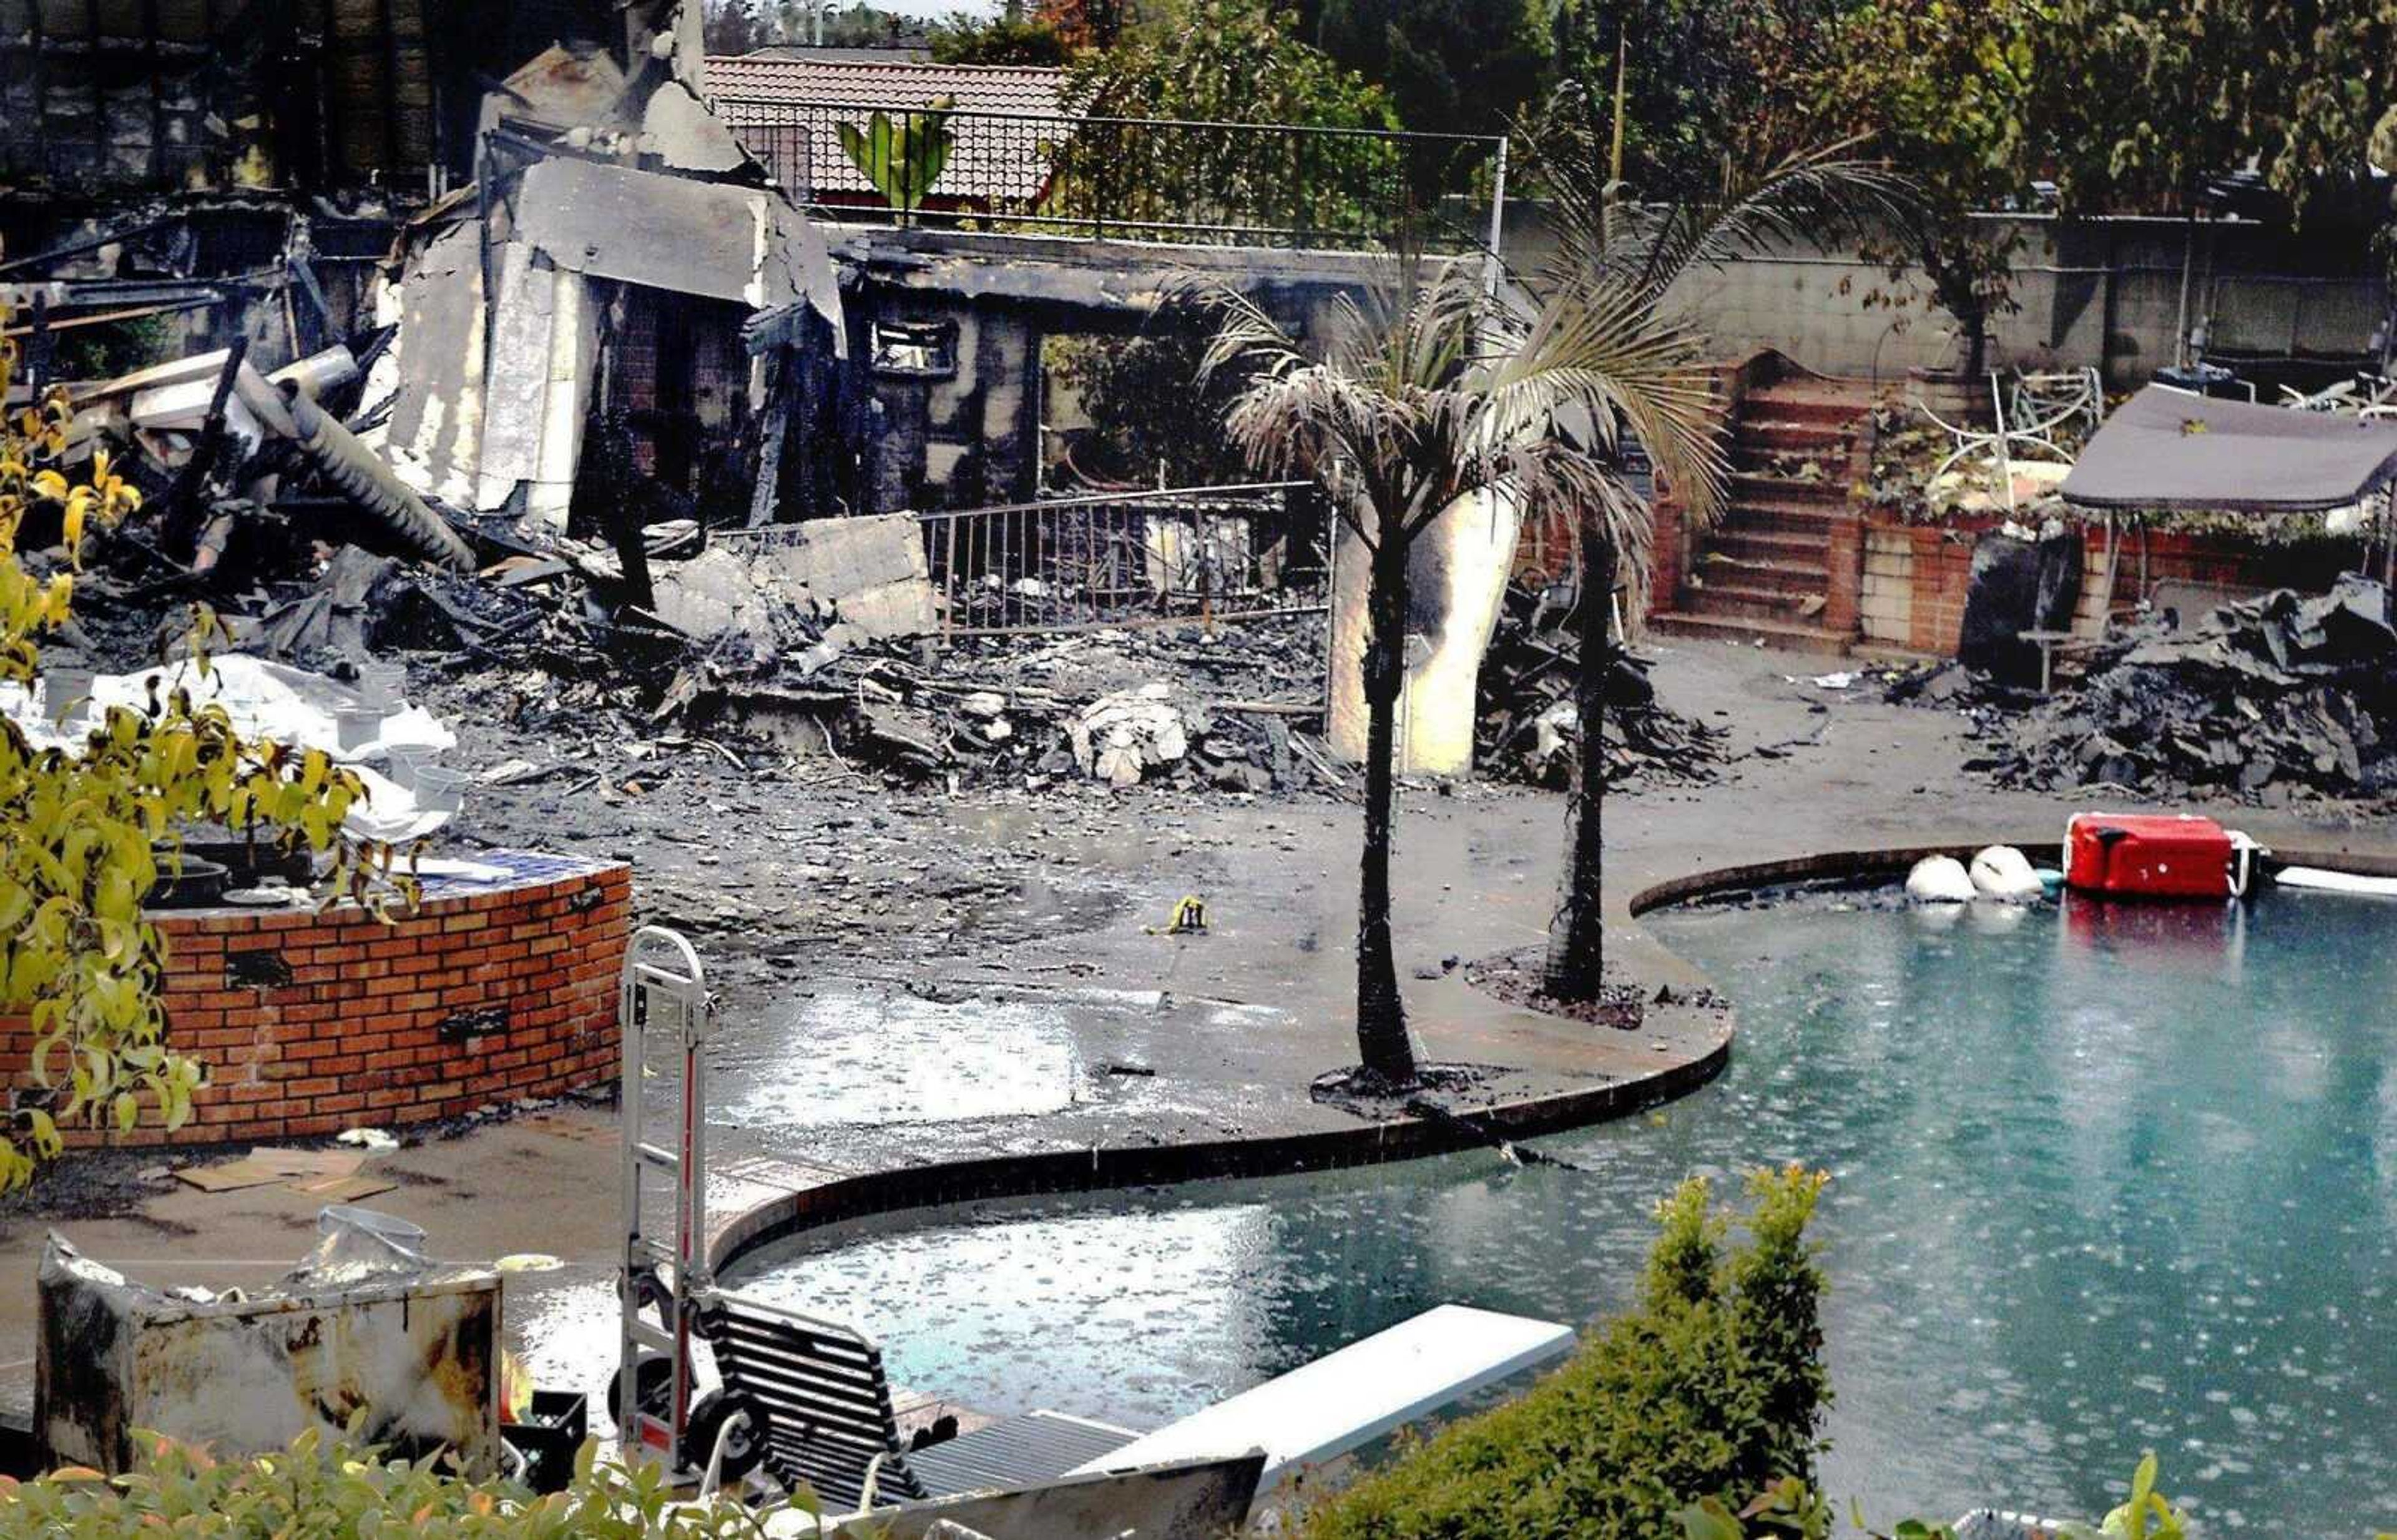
pixel 1916 575
pixel 314 1023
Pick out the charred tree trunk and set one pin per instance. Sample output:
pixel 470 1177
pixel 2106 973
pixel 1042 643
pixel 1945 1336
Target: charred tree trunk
pixel 1576 961
pixel 1382 1040
pixel 1974 319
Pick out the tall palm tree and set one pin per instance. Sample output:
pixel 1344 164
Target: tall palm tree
pixel 1429 392
pixel 1620 263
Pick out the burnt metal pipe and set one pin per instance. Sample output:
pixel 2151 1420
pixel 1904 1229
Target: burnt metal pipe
pixel 361 474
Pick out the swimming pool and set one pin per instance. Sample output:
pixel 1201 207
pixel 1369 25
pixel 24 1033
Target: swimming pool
pixel 2106 1178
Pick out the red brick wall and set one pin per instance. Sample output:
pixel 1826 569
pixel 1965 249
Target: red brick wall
pixel 476 998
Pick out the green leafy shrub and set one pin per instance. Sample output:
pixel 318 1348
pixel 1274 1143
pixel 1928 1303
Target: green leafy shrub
pixel 87 829
pixel 1713 1386
pixel 329 1490
pixel 1792 1508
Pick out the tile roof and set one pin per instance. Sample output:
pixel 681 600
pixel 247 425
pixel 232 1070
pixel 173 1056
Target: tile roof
pixel 784 111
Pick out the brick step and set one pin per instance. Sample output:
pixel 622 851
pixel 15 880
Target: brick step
pixel 1801 578
pixel 1763 487
pixel 1748 516
pixel 1770 457
pixel 1833 409
pixel 1742 597
pixel 1786 636
pixel 1772 436
pixel 1805 550
pixel 1753 543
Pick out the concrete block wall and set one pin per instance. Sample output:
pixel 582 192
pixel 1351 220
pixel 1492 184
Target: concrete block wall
pixel 1886 604
pixel 2103 292
pixel 312 1023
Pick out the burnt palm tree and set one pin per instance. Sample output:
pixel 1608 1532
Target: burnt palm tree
pixel 1619 262
pixel 1430 391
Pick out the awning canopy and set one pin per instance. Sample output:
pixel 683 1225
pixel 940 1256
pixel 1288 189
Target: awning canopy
pixel 2165 449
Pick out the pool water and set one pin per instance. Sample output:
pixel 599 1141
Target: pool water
pixel 2105 1179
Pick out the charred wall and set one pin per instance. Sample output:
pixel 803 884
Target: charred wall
pixel 176 95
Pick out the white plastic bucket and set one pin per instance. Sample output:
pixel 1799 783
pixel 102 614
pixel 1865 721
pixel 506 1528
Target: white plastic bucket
pixel 358 726
pixel 406 762
pixel 383 685
pixel 439 789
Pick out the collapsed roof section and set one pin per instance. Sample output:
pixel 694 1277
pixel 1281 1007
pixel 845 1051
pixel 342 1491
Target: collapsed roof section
pixel 615 233
pixel 2165 449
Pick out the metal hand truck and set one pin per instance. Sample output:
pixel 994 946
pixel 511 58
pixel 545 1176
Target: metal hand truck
pixel 653 1397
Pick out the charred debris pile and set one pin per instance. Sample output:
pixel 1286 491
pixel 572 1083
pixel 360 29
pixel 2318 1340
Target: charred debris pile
pixel 2268 699
pixel 1528 729
pixel 746 641
pixel 580 438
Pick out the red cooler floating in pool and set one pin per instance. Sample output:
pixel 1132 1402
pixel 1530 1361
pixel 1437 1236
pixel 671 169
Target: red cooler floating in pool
pixel 2153 855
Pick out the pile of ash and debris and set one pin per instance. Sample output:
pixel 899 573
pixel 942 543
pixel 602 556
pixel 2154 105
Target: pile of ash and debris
pixel 1528 729
pixel 2268 699
pixel 1186 705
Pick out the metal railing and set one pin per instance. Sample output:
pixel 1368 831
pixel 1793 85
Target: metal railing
pixel 1164 180
pixel 1215 554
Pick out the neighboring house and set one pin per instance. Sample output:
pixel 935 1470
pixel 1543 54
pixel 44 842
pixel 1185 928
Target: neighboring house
pixel 786 110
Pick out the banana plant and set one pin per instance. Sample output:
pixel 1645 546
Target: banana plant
pixel 904 159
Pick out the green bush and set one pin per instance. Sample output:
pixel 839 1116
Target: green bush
pixel 1790 1507
pixel 327 1490
pixel 1713 1387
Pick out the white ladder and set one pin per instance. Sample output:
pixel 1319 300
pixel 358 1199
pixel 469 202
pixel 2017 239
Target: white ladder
pixel 664 996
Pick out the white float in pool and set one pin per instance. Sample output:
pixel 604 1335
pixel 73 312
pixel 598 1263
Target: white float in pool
pixel 2003 873
pixel 1939 879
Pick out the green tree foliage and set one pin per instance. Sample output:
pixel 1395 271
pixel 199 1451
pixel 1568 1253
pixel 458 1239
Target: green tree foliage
pixel 1225 62
pixel 1086 23
pixel 86 831
pixel 326 1488
pixel 999 40
pixel 1450 66
pixel 1705 87
pixel 1941 87
pixel 733 27
pixel 1712 1386
pixel 1151 404
pixel 2136 102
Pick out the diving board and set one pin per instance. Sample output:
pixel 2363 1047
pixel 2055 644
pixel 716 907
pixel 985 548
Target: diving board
pixel 1320 1410
pixel 2315 879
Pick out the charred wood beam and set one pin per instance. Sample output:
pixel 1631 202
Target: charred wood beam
pixel 774 427
pixel 185 499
